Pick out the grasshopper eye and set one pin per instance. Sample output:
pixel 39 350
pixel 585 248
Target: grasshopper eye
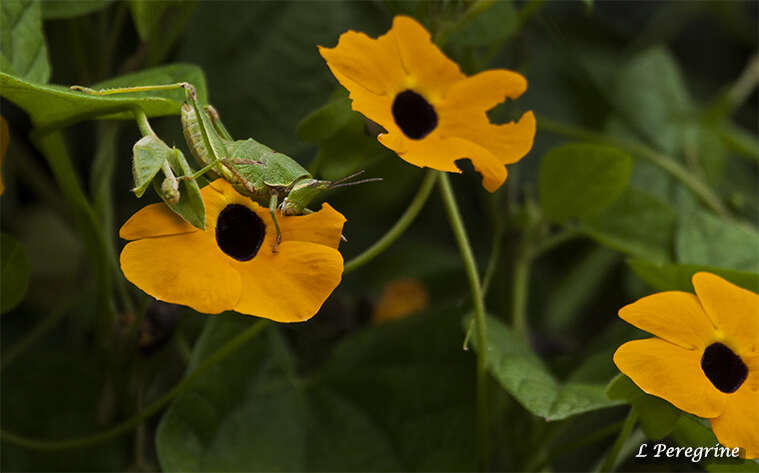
pixel 239 232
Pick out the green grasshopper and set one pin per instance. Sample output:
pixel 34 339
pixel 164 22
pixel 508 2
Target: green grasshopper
pixel 270 178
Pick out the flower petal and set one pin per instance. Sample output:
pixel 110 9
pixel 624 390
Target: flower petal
pixel 441 153
pixel 732 309
pixel 508 142
pixel 672 373
pixel 370 64
pixel 483 91
pixel 675 316
pixel 323 227
pixel 187 269
pixel 738 426
pixel 290 285
pixel 429 70
pixel 157 220
pixel 154 220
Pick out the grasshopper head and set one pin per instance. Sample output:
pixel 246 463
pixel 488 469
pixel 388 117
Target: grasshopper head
pixel 305 190
pixel 302 193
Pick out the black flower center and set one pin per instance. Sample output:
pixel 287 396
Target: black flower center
pixel 724 368
pixel 239 232
pixel 414 115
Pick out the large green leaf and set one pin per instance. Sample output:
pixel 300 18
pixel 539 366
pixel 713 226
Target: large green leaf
pixel 23 51
pixel 580 180
pixel 382 402
pixel 14 272
pixel 519 370
pixel 706 239
pixel 657 417
pixel 691 432
pixel 52 106
pixel 677 277
pixel 637 224
pixel 652 98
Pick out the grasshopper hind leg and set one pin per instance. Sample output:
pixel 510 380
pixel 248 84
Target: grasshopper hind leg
pixel 273 211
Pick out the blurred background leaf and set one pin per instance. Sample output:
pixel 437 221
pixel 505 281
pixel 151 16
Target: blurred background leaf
pixel 23 51
pixel 14 272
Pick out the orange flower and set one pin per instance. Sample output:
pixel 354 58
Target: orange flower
pixel 433 113
pixel 704 358
pixel 231 264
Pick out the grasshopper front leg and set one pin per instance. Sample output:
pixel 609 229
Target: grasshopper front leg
pixel 273 211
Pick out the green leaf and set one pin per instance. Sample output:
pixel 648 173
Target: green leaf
pixel 691 432
pixel 638 224
pixel 146 14
pixel 55 9
pixel 382 402
pixel 325 121
pixel 652 98
pixel 279 44
pixel 657 416
pixel 190 206
pixel 677 277
pixel 520 372
pixel 53 106
pixel 706 239
pixel 149 154
pixel 14 272
pixel 247 414
pixel 23 51
pixel 580 180
pixel 495 23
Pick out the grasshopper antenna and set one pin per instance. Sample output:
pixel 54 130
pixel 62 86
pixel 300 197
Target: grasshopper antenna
pixel 343 181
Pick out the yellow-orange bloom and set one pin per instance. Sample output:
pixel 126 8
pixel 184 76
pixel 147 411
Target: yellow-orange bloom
pixel 400 298
pixel 433 113
pixel 231 264
pixel 704 358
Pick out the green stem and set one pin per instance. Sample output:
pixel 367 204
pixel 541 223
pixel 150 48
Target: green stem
pixel 101 185
pixel 53 148
pixel 519 291
pixel 611 459
pixel 457 225
pixel 667 163
pixel 223 352
pixel 400 226
pixel 143 124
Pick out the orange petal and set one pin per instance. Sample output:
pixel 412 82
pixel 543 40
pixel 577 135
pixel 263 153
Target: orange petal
pixel 732 309
pixel 508 142
pixel 441 153
pixel 157 220
pixel 429 70
pixel 483 91
pixel 360 61
pixel 670 372
pixel 323 227
pixel 674 316
pixel 738 426
pixel 152 221
pixel 187 269
pixel 290 285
